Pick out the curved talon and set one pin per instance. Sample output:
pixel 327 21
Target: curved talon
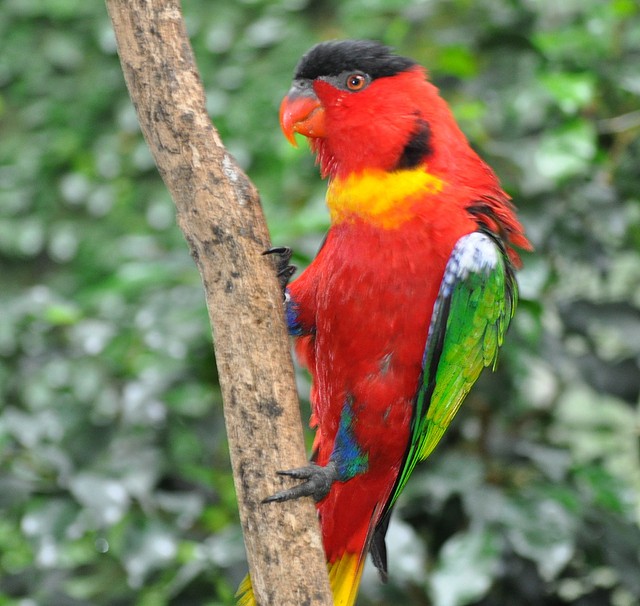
pixel 284 271
pixel 282 251
pixel 317 485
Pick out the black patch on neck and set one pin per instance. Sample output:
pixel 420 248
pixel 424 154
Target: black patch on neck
pixel 338 56
pixel 418 146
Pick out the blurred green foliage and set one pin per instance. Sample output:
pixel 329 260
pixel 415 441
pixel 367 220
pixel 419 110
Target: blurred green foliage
pixel 114 478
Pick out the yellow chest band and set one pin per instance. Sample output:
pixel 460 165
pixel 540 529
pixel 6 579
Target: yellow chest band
pixel 380 197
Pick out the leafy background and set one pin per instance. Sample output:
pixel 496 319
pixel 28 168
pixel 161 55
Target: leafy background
pixel 114 477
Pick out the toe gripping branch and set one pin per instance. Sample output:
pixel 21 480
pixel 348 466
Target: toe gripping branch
pixel 318 481
pixel 284 271
pixel 347 460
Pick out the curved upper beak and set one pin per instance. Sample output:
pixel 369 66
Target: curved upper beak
pixel 301 112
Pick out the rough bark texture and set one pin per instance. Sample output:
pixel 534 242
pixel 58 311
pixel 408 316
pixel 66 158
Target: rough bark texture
pixel 219 212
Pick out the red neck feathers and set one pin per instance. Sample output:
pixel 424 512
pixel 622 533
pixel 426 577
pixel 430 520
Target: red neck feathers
pixel 370 129
pixel 402 122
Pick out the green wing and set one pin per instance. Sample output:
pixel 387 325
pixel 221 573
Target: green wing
pixel 475 304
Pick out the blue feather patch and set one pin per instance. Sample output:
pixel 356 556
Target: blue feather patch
pixel 291 315
pixel 349 458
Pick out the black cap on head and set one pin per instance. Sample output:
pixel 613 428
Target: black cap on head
pixel 338 56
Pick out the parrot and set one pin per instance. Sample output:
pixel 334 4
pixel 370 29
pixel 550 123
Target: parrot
pixel 408 298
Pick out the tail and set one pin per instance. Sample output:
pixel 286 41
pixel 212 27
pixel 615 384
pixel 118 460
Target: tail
pixel 344 577
pixel 244 594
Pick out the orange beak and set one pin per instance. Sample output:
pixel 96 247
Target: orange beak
pixel 302 112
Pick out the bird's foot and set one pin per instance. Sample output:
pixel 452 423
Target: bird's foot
pixel 284 271
pixel 318 481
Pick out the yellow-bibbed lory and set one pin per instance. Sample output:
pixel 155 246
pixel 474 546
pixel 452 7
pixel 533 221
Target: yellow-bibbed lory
pixel 407 300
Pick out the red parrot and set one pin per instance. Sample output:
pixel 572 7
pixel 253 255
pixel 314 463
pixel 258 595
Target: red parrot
pixel 408 298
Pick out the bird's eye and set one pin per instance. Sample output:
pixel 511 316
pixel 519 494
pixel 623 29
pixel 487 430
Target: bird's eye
pixel 356 82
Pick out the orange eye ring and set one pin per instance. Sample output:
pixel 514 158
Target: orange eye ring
pixel 356 82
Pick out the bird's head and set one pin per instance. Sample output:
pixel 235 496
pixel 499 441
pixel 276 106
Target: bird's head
pixel 363 107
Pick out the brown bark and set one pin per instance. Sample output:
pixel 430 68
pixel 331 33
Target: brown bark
pixel 218 209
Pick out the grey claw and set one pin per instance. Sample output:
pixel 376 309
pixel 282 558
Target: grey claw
pixel 284 252
pixel 284 271
pixel 317 485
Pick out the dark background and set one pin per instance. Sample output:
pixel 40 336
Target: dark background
pixel 115 485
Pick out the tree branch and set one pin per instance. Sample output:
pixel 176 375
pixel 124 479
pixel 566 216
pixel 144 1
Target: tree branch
pixel 218 209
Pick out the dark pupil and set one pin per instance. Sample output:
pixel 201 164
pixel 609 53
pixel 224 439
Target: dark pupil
pixel 355 81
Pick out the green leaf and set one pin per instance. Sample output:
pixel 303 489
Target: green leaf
pixel 465 569
pixel 571 91
pixel 541 529
pixel 566 151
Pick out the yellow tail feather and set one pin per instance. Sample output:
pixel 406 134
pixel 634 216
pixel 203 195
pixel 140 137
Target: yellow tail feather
pixel 245 593
pixel 344 577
